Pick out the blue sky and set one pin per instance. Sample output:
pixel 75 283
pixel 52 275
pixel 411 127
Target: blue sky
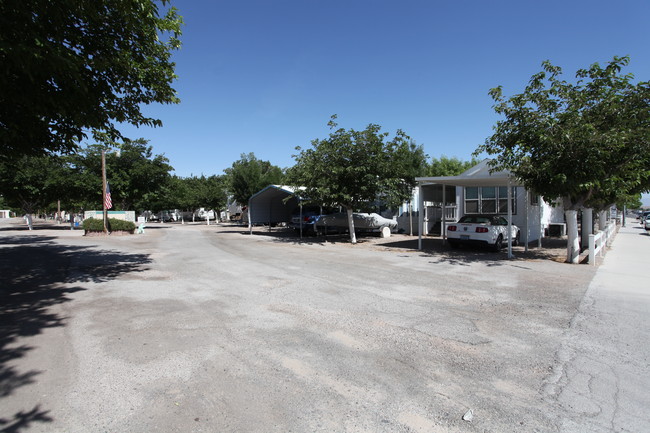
pixel 264 76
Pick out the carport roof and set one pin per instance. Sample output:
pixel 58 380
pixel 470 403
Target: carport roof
pixel 287 190
pixel 479 175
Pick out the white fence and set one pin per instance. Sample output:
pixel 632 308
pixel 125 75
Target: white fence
pixel 598 241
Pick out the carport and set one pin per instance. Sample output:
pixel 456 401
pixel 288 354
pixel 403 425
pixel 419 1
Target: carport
pixel 272 205
pixel 477 176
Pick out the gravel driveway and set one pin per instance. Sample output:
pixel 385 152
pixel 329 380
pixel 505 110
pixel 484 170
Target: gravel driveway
pixel 192 328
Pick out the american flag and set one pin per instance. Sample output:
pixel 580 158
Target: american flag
pixel 107 200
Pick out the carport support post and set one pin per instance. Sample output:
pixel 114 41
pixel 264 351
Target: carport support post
pixel 250 225
pixel 509 220
pixel 443 219
pixel 420 215
pixel 301 220
pixel 541 218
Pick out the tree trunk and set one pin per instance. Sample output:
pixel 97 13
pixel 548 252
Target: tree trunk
pixel 573 242
pixel 602 220
pixel 353 237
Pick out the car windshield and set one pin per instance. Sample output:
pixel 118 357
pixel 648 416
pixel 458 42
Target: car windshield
pixel 475 219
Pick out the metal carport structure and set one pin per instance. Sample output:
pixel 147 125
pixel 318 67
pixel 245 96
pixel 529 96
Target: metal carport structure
pixel 479 175
pixel 271 205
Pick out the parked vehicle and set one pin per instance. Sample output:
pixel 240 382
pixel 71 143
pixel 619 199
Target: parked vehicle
pixel 362 222
pixel 646 224
pixel 308 216
pixel 643 216
pixel 307 224
pixel 490 230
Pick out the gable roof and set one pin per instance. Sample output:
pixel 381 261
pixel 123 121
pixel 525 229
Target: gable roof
pixel 479 175
pixel 276 190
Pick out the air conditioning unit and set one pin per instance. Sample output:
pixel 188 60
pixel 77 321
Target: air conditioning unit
pixel 556 230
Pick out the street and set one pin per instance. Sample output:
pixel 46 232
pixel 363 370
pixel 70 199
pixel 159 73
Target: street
pixel 194 328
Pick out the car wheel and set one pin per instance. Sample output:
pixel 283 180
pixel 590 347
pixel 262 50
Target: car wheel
pixel 515 241
pixel 498 245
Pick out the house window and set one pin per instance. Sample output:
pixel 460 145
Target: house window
pixel 533 199
pixel 489 200
pixel 471 199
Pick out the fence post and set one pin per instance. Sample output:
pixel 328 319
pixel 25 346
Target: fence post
pixel 592 249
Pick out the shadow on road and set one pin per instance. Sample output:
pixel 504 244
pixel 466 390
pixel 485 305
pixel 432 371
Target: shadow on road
pixel 36 273
pixel 440 252
pixel 433 247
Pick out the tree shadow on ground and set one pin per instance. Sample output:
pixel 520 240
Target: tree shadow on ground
pixel 552 248
pixel 291 236
pixel 36 274
pixel 441 252
pixel 38 227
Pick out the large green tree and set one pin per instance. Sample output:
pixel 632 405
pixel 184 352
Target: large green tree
pixel 249 175
pixel 194 192
pixel 36 183
pixel 352 168
pixel 445 166
pixel 71 66
pixel 136 176
pixel 585 142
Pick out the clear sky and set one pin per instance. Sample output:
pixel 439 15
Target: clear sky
pixel 264 76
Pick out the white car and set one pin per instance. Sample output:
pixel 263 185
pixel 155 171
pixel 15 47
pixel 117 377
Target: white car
pixel 646 223
pixel 490 230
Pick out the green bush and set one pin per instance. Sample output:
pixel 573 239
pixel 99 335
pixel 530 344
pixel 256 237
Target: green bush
pixel 97 225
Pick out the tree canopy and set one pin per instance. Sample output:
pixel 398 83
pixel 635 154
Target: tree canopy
pixel 586 142
pixel 136 176
pixel 445 166
pixel 32 183
pixel 352 168
pixel 194 192
pixel 72 66
pixel 249 175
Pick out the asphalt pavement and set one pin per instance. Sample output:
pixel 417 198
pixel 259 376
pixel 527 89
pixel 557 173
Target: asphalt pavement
pixel 194 328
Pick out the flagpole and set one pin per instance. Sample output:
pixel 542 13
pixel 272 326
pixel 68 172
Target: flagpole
pixel 104 191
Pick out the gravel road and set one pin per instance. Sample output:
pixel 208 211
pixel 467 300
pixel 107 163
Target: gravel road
pixel 192 328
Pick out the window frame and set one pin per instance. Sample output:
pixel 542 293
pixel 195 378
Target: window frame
pixel 492 201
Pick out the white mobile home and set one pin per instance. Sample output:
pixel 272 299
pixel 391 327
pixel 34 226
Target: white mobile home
pixel 477 191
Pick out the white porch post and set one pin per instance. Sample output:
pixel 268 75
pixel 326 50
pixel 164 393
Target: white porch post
pixel 527 228
pixel 420 215
pixel 443 220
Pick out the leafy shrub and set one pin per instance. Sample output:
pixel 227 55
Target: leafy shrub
pixel 97 225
